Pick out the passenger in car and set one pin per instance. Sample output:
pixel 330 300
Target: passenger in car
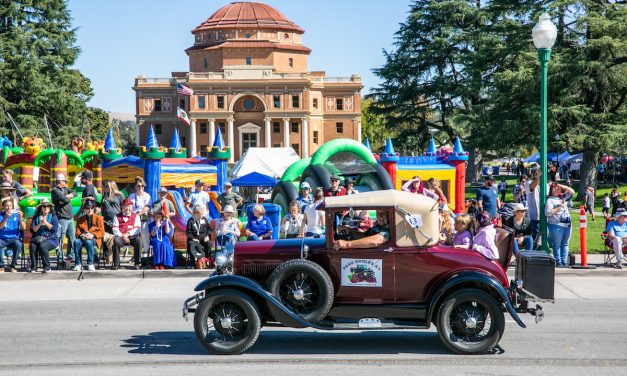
pixel 484 240
pixel 463 231
pixel 377 235
pixel 446 225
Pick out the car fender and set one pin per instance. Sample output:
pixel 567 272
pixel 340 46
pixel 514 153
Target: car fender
pixel 286 317
pixel 476 278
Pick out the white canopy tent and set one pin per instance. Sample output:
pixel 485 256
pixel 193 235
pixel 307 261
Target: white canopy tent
pixel 268 161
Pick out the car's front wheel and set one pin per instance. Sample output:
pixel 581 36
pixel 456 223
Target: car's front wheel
pixel 470 322
pixel 227 322
pixel 304 287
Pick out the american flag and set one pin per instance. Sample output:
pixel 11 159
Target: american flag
pixel 183 90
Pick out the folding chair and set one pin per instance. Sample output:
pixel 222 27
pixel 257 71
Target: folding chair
pixel 609 257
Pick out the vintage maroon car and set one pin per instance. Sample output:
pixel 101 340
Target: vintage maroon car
pixel 396 277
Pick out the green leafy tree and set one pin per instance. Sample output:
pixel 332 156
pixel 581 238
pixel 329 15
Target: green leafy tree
pixel 373 126
pixel 37 52
pixel 473 66
pixel 589 79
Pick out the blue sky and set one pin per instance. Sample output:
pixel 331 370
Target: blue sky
pixel 121 39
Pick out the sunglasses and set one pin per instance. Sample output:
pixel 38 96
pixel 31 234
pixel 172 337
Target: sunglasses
pixel 140 186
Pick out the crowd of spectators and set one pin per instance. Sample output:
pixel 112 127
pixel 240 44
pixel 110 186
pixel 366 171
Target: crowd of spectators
pixel 136 222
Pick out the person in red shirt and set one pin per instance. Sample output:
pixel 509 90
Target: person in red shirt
pixel 335 190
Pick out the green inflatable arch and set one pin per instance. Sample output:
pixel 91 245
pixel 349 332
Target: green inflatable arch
pixel 340 145
pixel 295 170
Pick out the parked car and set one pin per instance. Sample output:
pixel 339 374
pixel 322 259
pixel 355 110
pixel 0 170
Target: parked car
pixel 405 280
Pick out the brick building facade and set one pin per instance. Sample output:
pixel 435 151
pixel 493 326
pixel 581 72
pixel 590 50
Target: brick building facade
pixel 248 70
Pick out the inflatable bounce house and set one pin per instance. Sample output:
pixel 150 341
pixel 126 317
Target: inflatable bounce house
pixel 50 162
pixel 388 170
pixel 169 167
pixel 448 166
pixel 341 157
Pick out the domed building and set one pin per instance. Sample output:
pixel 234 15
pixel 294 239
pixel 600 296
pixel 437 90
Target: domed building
pixel 250 80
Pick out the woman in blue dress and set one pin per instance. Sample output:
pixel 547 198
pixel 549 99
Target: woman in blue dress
pixel 161 232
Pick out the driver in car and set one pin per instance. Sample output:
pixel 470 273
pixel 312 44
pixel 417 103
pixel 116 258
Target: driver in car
pixel 377 235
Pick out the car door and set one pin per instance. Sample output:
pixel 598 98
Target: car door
pixel 363 275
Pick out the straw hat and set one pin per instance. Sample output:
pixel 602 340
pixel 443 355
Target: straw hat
pixel 6 186
pixel 44 202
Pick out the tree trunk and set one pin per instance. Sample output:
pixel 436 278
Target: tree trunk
pixel 473 169
pixel 588 170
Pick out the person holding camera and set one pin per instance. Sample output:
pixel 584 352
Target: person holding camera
pixel 559 222
pixel 532 193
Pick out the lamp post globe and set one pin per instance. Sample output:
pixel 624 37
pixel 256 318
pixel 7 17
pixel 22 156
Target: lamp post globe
pixel 544 34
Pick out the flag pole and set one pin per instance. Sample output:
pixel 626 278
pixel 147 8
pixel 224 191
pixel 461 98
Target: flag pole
pixel 177 107
pixel 14 124
pixel 48 130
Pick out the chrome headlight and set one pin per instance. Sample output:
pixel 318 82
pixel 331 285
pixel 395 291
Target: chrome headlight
pixel 221 260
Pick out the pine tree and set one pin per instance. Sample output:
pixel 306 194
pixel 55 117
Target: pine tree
pixel 590 79
pixel 37 52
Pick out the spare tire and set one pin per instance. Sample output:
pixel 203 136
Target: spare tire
pixel 304 287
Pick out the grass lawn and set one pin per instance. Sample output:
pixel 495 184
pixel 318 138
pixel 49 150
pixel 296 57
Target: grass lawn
pixel 594 229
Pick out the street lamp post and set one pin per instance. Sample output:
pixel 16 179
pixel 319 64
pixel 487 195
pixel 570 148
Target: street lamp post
pixel 559 151
pixel 544 34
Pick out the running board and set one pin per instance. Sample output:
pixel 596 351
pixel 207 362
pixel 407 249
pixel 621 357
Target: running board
pixel 372 324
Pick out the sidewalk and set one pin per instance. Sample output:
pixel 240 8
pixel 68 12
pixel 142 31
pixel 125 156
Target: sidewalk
pixel 595 260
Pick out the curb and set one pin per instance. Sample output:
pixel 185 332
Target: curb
pixel 601 271
pixel 105 274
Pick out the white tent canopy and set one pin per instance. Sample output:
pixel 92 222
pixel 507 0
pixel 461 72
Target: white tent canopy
pixel 268 161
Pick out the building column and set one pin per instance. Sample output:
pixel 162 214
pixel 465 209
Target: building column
pixel 137 134
pixel 192 138
pixel 267 133
pixel 212 131
pixel 305 137
pixel 231 141
pixel 286 132
pixel 359 130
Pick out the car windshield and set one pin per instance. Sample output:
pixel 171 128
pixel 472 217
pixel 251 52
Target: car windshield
pixel 355 224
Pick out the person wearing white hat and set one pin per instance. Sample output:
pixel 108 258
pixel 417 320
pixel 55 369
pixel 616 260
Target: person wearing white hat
pixel 617 234
pixel 20 191
pixel 227 228
pixel 521 225
pixel 62 197
pixel 304 197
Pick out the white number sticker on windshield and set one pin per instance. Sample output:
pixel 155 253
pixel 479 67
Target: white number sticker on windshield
pixel 415 220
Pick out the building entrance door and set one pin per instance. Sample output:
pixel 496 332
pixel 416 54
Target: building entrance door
pixel 249 140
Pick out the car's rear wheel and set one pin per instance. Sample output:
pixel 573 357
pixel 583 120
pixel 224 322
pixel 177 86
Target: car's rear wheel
pixel 303 287
pixel 227 322
pixel 470 322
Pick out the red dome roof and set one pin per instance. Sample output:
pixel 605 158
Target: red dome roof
pixel 248 15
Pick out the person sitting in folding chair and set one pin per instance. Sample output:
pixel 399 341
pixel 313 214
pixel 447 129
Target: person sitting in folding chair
pixel 89 234
pixel 126 228
pixel 197 233
pixel 617 235
pixel 11 226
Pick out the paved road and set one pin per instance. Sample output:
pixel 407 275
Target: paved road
pixel 121 326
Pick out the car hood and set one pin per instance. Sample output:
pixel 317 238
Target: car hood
pixel 277 245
